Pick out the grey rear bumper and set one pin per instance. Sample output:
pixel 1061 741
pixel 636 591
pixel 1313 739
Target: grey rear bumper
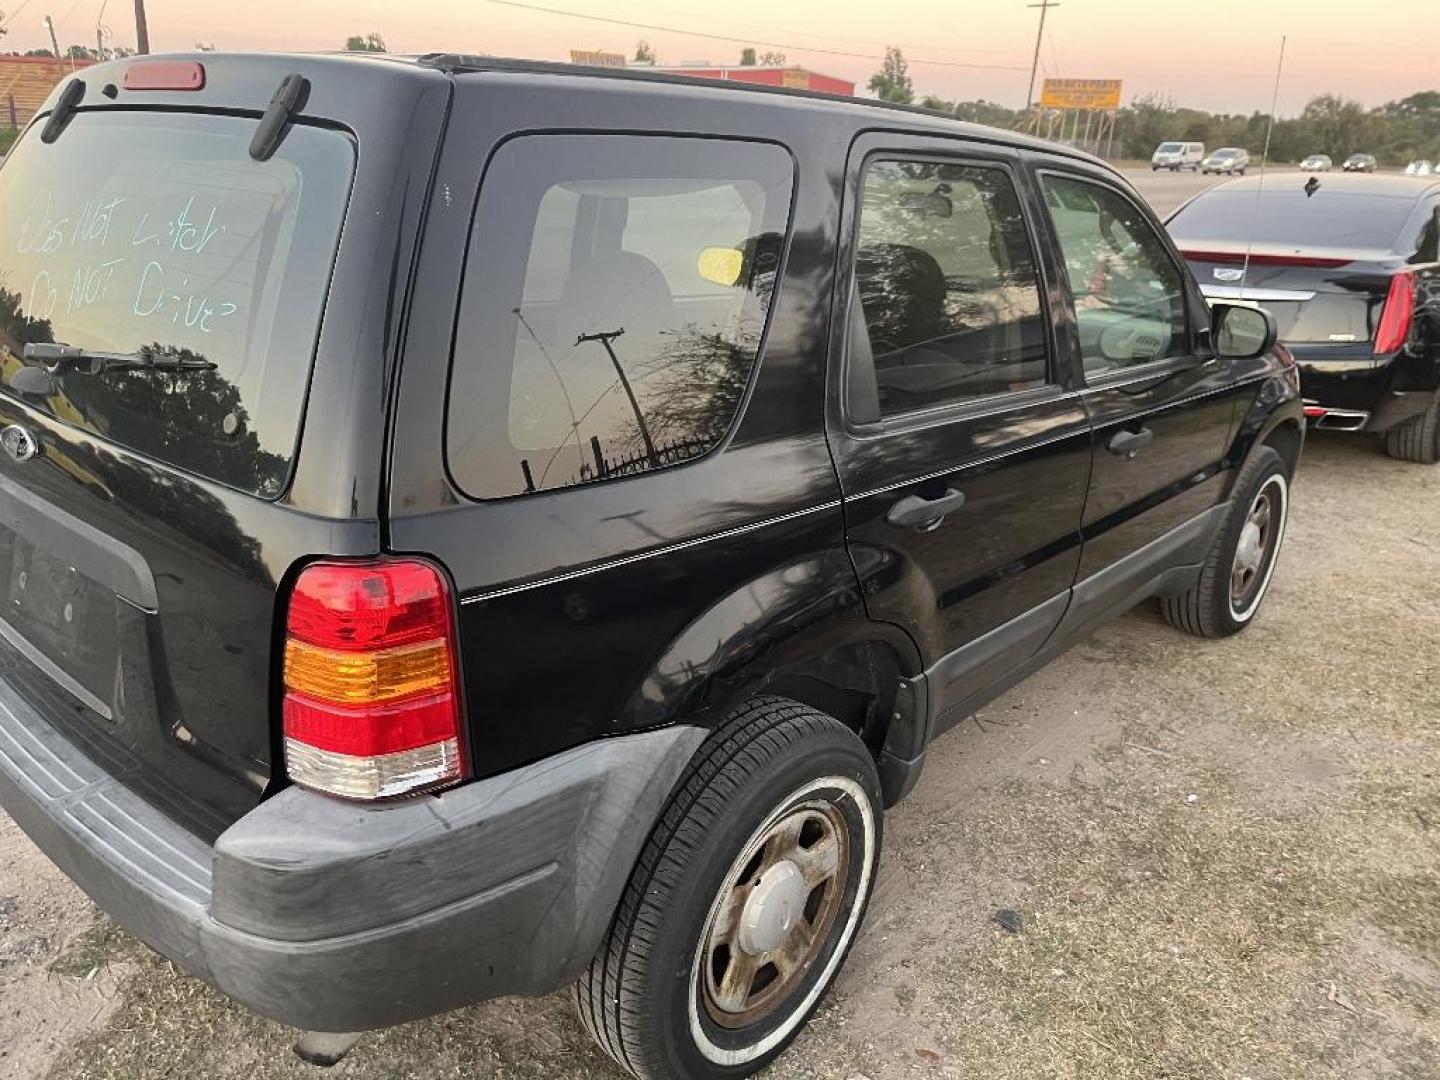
pixel 334 916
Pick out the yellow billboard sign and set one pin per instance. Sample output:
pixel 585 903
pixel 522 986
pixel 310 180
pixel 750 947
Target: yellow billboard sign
pixel 596 58
pixel 1098 94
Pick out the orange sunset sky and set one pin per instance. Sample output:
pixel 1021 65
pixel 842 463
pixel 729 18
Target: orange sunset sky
pixel 1213 54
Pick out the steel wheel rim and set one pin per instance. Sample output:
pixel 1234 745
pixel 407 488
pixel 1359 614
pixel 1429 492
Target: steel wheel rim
pixel 774 913
pixel 1257 534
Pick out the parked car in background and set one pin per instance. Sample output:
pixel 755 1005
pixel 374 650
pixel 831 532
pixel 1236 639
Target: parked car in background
pixel 1317 163
pixel 1349 266
pixel 1177 155
pixel 1230 160
pixel 1364 163
pixel 516 568
pixel 1420 167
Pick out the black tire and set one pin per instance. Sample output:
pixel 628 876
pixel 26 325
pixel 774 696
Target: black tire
pixel 1417 439
pixel 1212 608
pixel 651 996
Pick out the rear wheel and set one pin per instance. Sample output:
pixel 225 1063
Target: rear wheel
pixel 744 902
pixel 1417 439
pixel 1237 569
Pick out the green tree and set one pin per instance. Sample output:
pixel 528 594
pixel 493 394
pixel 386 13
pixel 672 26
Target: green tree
pixel 747 56
pixel 371 43
pixel 1338 125
pixel 892 81
pixel 937 104
pixel 644 53
pixel 772 59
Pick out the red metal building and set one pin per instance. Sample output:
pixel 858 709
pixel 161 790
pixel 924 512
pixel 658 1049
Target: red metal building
pixel 787 75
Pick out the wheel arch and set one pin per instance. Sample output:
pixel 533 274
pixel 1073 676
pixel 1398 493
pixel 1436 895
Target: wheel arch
pixel 1274 417
pixel 798 631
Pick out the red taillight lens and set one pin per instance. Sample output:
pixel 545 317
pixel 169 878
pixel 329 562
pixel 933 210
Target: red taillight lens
pixel 1236 258
pixel 1394 329
pixel 372 705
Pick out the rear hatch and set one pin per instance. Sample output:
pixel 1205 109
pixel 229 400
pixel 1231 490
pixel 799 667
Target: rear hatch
pixel 143 545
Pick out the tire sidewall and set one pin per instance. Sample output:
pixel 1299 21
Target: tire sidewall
pixel 835 765
pixel 1272 474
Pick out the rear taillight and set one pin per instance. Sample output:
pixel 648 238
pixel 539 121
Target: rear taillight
pixel 1394 329
pixel 372 705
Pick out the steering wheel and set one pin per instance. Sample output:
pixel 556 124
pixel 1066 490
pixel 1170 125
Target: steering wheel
pixel 1134 340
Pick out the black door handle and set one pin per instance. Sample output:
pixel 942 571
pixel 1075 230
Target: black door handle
pixel 1127 444
pixel 917 512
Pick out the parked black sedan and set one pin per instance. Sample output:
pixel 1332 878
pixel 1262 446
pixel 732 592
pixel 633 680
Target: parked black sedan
pixel 1350 267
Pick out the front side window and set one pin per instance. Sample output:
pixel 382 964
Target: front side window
pixel 946 282
pixel 614 299
pixel 1129 294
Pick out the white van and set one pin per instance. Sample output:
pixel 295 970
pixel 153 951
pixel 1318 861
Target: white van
pixel 1178 155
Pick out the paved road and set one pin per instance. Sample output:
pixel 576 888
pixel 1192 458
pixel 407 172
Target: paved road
pixel 1167 190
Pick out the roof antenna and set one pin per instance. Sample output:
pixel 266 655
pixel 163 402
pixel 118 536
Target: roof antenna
pixel 1264 161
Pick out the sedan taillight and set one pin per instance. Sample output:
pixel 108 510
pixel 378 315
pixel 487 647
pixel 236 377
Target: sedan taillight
pixel 372 704
pixel 1394 329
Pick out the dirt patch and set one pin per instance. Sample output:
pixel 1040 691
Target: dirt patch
pixel 1226 857
pixel 42 1011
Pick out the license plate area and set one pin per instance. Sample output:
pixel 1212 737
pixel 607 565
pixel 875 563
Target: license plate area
pixel 59 619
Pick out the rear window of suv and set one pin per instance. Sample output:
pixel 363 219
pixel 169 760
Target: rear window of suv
pixel 614 299
pixel 155 234
pixel 1283 214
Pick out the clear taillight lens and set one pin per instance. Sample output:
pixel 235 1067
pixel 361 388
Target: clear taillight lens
pixel 372 705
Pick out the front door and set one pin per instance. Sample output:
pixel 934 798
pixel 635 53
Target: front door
pixel 962 446
pixel 1160 401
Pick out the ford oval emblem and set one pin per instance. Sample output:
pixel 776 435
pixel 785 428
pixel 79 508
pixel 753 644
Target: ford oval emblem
pixel 19 443
pixel 1226 273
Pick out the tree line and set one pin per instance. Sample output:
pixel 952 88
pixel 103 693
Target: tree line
pixel 1396 132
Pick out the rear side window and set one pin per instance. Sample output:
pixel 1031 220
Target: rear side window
pixel 155 235
pixel 1129 293
pixel 613 304
pixel 947 284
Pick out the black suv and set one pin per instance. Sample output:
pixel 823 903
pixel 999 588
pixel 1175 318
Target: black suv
pixel 474 527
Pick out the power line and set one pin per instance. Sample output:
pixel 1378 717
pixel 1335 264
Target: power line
pixel 5 21
pixel 859 41
pixel 741 40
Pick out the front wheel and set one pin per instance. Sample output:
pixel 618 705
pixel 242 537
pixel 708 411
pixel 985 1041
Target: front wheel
pixel 745 901
pixel 1237 569
pixel 1417 439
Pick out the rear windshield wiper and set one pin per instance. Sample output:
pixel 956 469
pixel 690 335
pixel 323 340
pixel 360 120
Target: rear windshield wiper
pixel 57 356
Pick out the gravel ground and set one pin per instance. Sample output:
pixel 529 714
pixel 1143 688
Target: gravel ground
pixel 1226 855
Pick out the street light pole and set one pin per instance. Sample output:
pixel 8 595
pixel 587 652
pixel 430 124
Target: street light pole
pixel 1044 6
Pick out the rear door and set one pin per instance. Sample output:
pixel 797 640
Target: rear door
pixel 962 445
pixel 1160 402
pixel 153 511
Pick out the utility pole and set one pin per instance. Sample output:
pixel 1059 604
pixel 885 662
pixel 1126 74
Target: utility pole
pixel 1044 6
pixel 53 43
pixel 142 32
pixel 607 339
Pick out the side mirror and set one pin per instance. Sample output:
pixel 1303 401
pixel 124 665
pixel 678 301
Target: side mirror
pixel 1241 332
